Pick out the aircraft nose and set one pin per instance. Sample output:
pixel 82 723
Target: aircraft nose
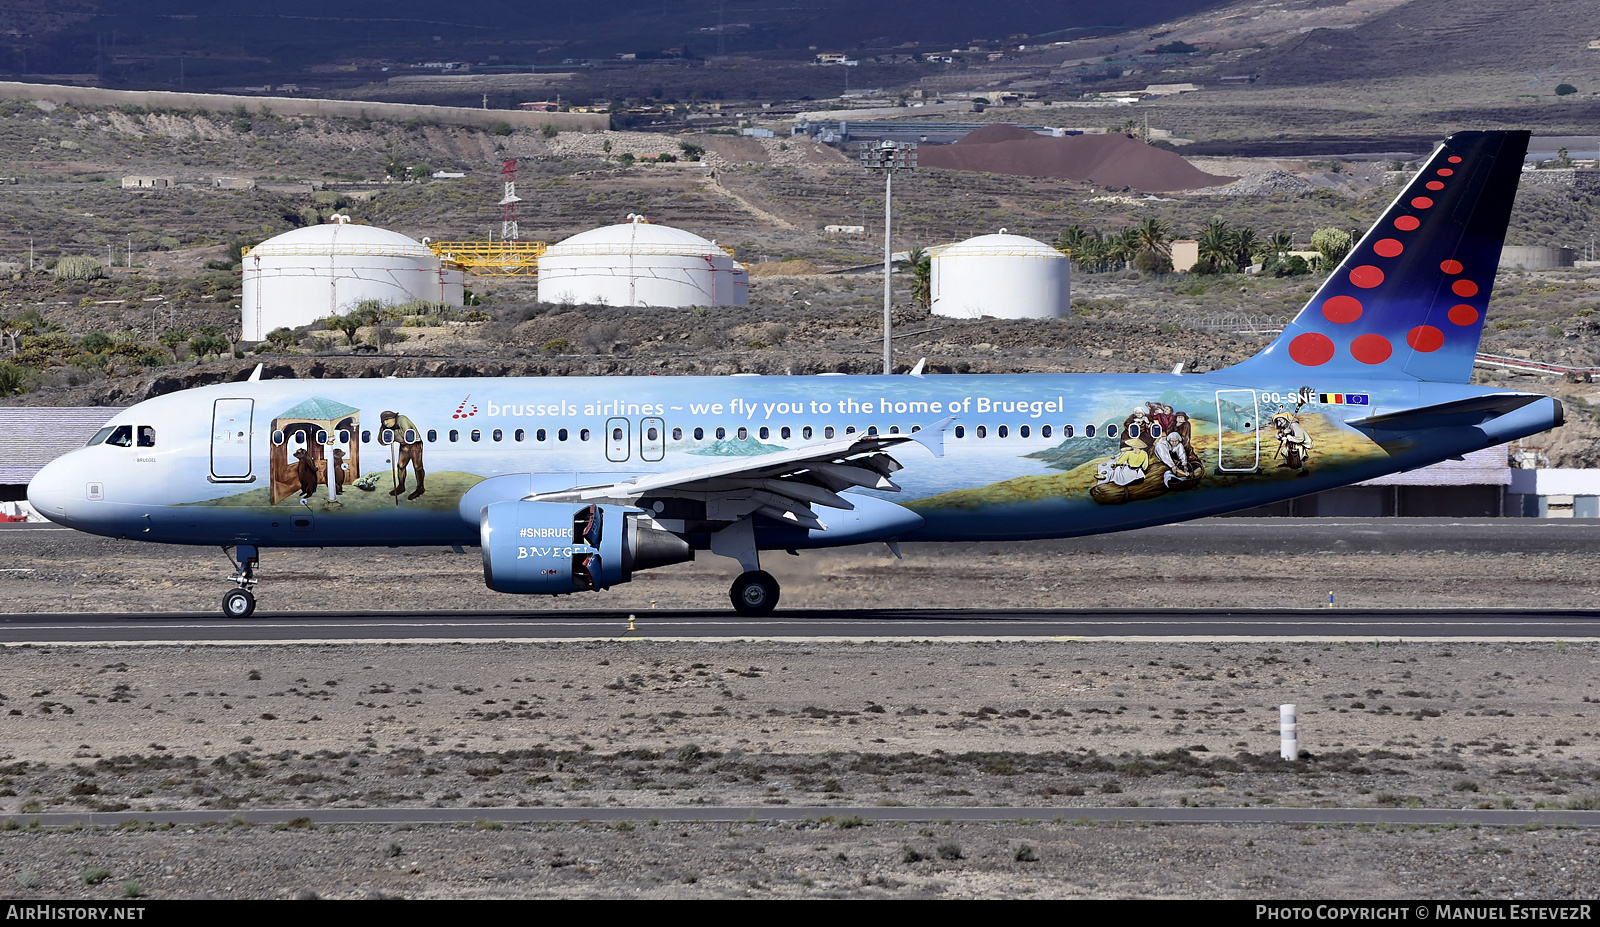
pixel 48 490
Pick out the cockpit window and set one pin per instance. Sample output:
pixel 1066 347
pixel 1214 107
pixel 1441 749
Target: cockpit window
pixel 101 436
pixel 121 436
pixel 147 436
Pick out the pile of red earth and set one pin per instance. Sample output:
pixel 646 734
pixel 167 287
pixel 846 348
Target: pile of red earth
pixel 1110 160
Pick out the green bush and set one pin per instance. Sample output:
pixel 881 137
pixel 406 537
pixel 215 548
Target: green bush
pixel 78 267
pixel 501 128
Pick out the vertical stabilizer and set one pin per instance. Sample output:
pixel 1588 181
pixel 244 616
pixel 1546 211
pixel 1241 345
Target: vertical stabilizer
pixel 1408 302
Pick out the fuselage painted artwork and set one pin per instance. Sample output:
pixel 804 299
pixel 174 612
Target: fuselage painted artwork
pixel 571 484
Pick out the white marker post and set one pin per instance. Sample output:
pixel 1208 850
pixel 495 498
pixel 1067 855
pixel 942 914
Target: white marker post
pixel 1288 733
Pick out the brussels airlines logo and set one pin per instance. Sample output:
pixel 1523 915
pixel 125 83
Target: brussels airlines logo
pixel 466 409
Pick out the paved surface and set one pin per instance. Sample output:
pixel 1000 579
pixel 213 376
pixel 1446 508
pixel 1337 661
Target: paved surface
pixel 864 624
pixel 1264 815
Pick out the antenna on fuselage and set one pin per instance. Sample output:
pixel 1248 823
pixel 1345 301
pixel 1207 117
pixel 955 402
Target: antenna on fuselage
pixel 255 374
pixel 917 370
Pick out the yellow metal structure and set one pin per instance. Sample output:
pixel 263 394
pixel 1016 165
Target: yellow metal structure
pixel 492 258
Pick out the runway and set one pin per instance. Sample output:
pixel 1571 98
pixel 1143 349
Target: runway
pixel 1333 625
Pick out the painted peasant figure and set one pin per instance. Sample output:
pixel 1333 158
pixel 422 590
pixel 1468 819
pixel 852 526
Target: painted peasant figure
pixel 1294 442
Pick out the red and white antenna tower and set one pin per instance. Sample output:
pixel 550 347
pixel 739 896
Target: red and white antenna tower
pixel 508 203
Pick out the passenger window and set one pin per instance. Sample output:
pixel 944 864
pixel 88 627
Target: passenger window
pixel 616 434
pixel 1088 431
pixel 765 432
pixel 1002 431
pixel 806 433
pixel 519 435
pixel 849 429
pixel 785 433
pixel 827 432
pixel 583 434
pixel 476 436
pixel 433 435
pixel 1066 431
pixel 983 431
pixel 1155 429
pixel 915 428
pixel 497 434
pixel 541 436
pixel 722 433
pixel 1044 431
pixel 894 429
pixel 872 430
pixel 699 434
pixel 561 434
pixel 1111 431
pixel 366 436
pixel 277 437
pixel 743 432
pixel 454 435
pixel 1023 431
pixel 961 431
pixel 147 436
pixel 677 434
pixel 322 436
pixel 410 436
pixel 1133 430
pixel 651 434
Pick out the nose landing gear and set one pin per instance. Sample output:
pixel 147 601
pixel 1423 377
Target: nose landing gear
pixel 241 602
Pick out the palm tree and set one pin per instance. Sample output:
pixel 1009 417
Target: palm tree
pixel 1071 242
pixel 1153 235
pixel 1245 245
pixel 1279 242
pixel 1123 246
pixel 1216 245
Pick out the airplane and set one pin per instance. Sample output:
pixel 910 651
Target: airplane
pixel 572 484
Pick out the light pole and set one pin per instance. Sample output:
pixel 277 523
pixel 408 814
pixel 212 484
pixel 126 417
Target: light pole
pixel 888 156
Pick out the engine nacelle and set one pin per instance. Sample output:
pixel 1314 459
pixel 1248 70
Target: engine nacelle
pixel 555 548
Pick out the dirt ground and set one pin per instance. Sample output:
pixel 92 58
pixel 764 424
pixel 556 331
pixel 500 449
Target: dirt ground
pixel 1061 724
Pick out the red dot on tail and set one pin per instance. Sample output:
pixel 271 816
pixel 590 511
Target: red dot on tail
pixel 1422 202
pixel 1463 314
pixel 1455 159
pixel 1451 267
pixel 1342 309
pixel 1464 288
pixel 1445 172
pixel 1388 247
pixel 1311 349
pixel 1435 185
pixel 1407 223
pixel 1371 349
pixel 1366 276
pixel 1425 338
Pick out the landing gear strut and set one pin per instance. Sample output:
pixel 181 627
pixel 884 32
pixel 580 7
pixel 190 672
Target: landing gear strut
pixel 241 602
pixel 754 593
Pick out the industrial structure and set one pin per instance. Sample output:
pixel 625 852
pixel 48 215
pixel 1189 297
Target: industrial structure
pixel 1002 276
pixel 312 273
pixel 638 263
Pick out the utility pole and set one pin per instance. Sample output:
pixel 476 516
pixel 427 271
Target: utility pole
pixel 888 156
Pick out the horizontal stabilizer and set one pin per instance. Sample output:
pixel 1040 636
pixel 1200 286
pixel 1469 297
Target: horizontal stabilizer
pixel 1460 413
pixel 1395 431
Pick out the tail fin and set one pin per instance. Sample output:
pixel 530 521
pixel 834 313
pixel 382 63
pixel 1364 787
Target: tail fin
pixel 1408 301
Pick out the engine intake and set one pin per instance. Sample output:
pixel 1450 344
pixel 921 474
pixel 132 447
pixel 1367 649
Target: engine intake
pixel 554 548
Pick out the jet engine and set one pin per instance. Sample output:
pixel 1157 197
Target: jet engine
pixel 553 548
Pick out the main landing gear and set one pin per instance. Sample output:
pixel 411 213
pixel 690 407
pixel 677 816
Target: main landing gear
pixel 241 602
pixel 754 593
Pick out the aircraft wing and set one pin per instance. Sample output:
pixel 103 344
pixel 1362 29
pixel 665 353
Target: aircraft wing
pixel 783 485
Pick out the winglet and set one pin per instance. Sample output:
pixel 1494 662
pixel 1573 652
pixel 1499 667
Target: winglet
pixel 932 437
pixel 255 374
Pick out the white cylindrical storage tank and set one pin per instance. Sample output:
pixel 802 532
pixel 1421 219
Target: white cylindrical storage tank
pixel 637 263
pixel 1003 276
pixel 312 273
pixel 741 285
